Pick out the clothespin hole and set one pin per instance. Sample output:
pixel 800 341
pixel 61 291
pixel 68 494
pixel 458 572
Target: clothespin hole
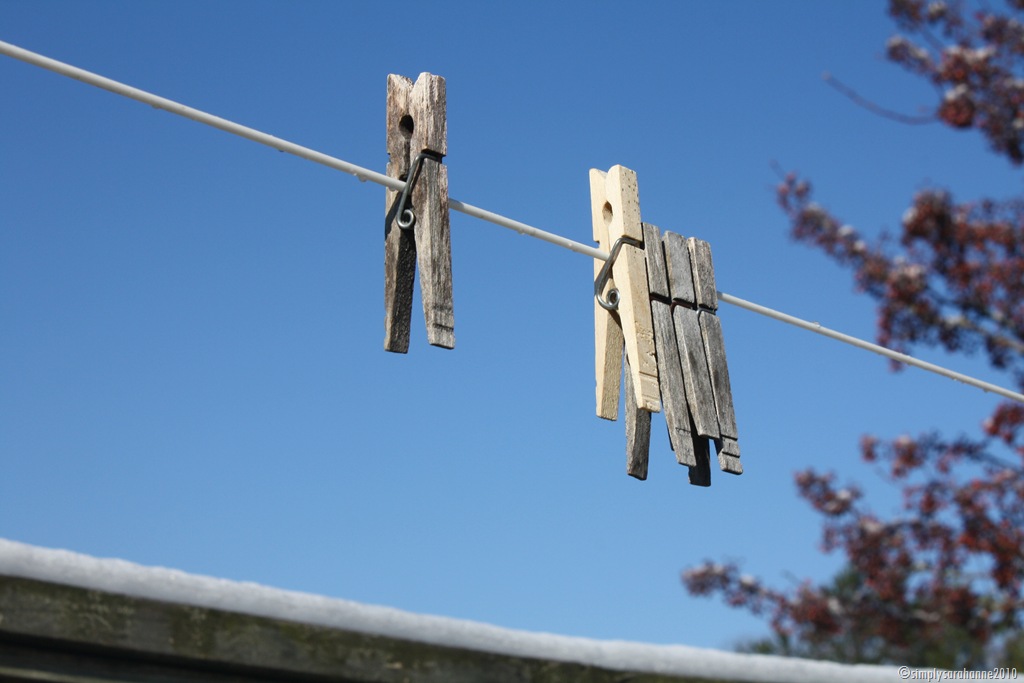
pixel 405 125
pixel 607 212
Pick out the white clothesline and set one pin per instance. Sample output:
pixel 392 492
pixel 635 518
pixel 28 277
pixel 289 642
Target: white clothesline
pixel 279 144
pixel 365 174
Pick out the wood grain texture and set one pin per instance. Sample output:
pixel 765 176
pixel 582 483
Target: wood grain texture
pixel 654 252
pixel 434 253
pixel 673 386
pixel 727 446
pixel 677 264
pixel 714 349
pixel 428 103
pixel 699 394
pixel 638 432
pixel 54 632
pixel 399 245
pixel 416 121
pixel 729 455
pixel 608 339
pixel 427 107
pixel 670 372
pixel 703 273
pixel 620 212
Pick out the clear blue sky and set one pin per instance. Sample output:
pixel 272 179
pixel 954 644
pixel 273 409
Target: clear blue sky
pixel 191 352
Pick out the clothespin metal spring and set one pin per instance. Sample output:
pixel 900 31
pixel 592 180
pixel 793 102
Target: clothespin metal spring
pixel 612 302
pixel 406 216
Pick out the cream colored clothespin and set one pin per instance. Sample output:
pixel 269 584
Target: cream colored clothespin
pixel 622 310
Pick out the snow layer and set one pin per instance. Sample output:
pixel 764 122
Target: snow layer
pixel 170 585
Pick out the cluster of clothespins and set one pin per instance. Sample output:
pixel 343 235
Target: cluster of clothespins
pixel 655 296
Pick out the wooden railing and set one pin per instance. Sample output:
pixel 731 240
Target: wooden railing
pixel 69 618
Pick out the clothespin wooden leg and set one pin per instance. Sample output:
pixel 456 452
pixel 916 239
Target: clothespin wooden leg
pixel 638 431
pixel 670 372
pixel 699 393
pixel 428 105
pixel 417 223
pixel 399 244
pixel 726 445
pixel 608 340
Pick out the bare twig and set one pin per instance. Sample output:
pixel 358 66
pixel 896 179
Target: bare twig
pixel 856 98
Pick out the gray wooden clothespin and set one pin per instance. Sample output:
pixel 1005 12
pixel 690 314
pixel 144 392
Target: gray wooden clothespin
pixel 702 353
pixel 416 227
pixel 726 443
pixel 682 434
pixel 622 312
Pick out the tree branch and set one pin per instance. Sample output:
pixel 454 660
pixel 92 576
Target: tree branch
pixel 861 101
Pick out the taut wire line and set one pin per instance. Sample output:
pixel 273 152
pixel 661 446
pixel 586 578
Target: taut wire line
pixel 279 144
pixel 868 346
pixel 365 174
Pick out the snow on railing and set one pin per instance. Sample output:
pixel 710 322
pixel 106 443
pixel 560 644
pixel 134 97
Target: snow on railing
pixel 172 586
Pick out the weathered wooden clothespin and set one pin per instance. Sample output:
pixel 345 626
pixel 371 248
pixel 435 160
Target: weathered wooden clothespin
pixel 416 227
pixel 682 434
pixel 726 444
pixel 622 311
pixel 702 352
